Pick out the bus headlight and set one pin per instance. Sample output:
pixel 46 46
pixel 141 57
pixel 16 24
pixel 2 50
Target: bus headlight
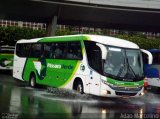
pixel 141 94
pixel 104 81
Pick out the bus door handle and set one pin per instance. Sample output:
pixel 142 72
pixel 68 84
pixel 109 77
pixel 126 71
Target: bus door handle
pixel 91 77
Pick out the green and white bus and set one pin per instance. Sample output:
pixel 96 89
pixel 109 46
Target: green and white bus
pixel 92 64
pixel 6 57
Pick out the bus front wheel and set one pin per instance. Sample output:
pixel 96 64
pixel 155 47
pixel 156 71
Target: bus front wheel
pixel 79 87
pixel 32 81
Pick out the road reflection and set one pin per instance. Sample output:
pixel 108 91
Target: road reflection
pixel 41 103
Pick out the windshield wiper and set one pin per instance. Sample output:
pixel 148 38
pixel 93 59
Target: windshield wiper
pixel 122 68
pixel 132 71
pixel 129 67
pixel 110 75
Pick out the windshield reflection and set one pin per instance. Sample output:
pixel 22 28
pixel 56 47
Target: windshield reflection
pixel 124 64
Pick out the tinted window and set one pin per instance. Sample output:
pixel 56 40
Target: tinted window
pixel 74 50
pixel 61 50
pixel 156 57
pixel 94 56
pixel 23 50
pixel 58 50
pixel 66 50
pixel 36 50
pixel 47 50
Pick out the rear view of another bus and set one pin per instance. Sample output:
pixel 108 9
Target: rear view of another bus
pixel 6 57
pixel 152 72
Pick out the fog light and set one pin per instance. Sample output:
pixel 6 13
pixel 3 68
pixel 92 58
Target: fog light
pixel 103 111
pixel 108 92
pixel 141 94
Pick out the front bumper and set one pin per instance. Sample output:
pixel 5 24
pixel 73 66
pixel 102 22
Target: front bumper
pixel 109 91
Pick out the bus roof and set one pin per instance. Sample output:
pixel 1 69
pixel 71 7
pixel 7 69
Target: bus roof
pixel 97 38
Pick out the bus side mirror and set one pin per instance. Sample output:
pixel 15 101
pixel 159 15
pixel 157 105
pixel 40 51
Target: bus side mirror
pixel 103 50
pixel 150 57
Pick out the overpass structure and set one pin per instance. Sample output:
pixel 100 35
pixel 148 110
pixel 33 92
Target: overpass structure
pixel 139 15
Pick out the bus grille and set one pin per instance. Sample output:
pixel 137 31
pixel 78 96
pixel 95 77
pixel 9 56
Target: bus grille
pixel 118 88
pixel 125 94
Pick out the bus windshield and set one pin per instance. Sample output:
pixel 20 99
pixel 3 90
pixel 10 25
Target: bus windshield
pixel 123 64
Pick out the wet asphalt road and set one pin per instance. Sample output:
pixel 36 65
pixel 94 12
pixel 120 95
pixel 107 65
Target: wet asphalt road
pixel 18 101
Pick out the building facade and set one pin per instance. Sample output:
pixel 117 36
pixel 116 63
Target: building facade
pixel 33 25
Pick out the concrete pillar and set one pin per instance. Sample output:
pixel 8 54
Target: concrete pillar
pixel 51 28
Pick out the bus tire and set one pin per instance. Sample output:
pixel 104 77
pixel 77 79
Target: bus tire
pixel 32 81
pixel 79 87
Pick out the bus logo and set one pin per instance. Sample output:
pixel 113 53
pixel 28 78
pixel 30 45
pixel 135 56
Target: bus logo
pixel 82 67
pixel 55 66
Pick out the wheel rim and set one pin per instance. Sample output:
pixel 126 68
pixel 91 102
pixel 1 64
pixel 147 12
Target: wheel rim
pixel 79 88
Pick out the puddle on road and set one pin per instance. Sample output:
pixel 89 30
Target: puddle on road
pixel 72 97
pixel 65 96
pixel 35 102
pixel 39 102
pixel 85 104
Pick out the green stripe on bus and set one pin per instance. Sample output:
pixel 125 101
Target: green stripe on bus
pixel 55 72
pixel 127 84
pixel 74 72
pixel 8 58
pixel 62 39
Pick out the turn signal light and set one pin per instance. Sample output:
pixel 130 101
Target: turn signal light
pixel 145 82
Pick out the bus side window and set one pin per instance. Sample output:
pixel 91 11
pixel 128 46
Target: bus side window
pixel 66 50
pixel 70 54
pixel 23 50
pixel 36 51
pixel 58 51
pixel 156 57
pixel 26 49
pixel 47 50
pixel 52 52
pixel 18 51
pixel 74 51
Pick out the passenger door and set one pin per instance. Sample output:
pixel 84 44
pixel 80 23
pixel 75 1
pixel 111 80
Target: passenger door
pixel 95 64
pixel 94 82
